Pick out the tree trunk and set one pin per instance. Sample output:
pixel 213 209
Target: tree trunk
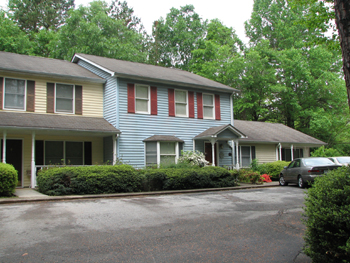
pixel 342 20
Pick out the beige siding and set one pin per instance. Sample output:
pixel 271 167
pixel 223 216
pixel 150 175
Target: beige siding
pixel 92 94
pixel 265 153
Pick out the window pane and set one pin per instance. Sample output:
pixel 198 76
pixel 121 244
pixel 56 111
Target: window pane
pixel 64 91
pixel 167 148
pixel 53 152
pixel 208 112
pixel 64 105
pixel 208 100
pixel 74 153
pixel 142 105
pixel 14 93
pixel 245 156
pixel 151 153
pixel 164 159
pixel 181 109
pixel 142 92
pixel 180 96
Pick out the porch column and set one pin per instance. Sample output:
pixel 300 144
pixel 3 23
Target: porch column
pixel 33 170
pixel 212 141
pixel 4 147
pixel 114 139
pixel 194 145
pixel 280 150
pixel 237 161
pixel 291 152
pixel 233 152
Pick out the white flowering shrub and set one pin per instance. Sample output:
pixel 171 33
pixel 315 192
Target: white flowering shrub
pixel 195 158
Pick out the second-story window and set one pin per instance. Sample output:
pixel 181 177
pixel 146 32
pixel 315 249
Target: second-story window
pixel 181 103
pixel 142 99
pixel 14 97
pixel 208 106
pixel 64 98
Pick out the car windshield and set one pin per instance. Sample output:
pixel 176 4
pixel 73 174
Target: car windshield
pixel 317 161
pixel 343 159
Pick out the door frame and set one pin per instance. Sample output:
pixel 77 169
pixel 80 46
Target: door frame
pixel 22 164
pixel 217 150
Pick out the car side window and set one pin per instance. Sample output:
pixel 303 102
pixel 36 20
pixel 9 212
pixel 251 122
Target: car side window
pixel 297 163
pixel 291 165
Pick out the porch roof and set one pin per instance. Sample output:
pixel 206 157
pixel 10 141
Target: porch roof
pixel 264 132
pixel 214 132
pixel 164 138
pixel 51 122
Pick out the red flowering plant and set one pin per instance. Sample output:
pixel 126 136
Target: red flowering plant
pixel 266 178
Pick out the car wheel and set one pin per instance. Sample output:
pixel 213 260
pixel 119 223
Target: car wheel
pixel 282 181
pixel 301 182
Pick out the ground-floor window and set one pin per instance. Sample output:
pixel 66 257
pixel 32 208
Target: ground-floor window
pixel 63 152
pixel 245 155
pixel 162 152
pixel 287 154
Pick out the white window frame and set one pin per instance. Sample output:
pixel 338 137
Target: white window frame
pixel 25 96
pixel 158 152
pixel 240 155
pixel 73 102
pixel 186 103
pixel 148 99
pixel 213 96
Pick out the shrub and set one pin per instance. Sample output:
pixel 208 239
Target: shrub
pixel 195 158
pixel 325 152
pixel 273 169
pixel 249 176
pixel 90 180
pixel 8 179
pixel 327 214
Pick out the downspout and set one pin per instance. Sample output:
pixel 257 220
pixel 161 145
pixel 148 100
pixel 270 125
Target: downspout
pixel 4 147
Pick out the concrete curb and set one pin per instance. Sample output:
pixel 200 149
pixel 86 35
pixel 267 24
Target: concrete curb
pixel 122 195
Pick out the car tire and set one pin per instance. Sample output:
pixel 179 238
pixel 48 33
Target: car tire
pixel 282 182
pixel 301 182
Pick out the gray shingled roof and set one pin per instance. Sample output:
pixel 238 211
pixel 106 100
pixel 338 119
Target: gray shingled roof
pixel 55 122
pixel 45 66
pixel 160 138
pixel 153 73
pixel 273 133
pixel 213 131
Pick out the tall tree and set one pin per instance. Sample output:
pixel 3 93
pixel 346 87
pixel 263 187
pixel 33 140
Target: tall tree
pixel 91 30
pixel 33 15
pixel 176 37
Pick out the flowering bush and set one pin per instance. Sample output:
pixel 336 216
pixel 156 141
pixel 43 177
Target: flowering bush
pixel 195 158
pixel 266 178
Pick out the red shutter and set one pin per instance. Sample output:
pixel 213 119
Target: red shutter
pixel 30 95
pixel 217 107
pixel 131 98
pixel 154 110
pixel 78 100
pixel 191 104
pixel 171 95
pixel 199 105
pixel 1 90
pixel 50 101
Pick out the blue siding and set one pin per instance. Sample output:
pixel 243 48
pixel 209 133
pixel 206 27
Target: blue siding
pixel 137 127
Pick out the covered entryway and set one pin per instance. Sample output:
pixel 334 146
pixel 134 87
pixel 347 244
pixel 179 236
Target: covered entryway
pixel 14 156
pixel 208 152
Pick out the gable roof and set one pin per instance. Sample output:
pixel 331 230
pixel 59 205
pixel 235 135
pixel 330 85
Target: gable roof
pixel 53 122
pixel 152 73
pixel 11 62
pixel 274 133
pixel 215 131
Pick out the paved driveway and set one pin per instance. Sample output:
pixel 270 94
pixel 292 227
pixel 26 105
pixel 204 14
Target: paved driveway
pixel 261 225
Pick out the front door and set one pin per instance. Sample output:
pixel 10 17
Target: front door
pixel 209 153
pixel 14 156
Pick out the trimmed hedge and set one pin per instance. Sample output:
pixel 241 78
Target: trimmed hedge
pixel 8 179
pixel 90 180
pixel 327 214
pixel 273 169
pixel 124 178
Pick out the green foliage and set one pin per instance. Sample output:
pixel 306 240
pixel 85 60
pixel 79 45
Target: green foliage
pixel 327 211
pixel 33 15
pixel 176 37
pixel 273 169
pixel 12 38
pixel 248 176
pixel 90 180
pixel 325 152
pixel 193 158
pixel 8 179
